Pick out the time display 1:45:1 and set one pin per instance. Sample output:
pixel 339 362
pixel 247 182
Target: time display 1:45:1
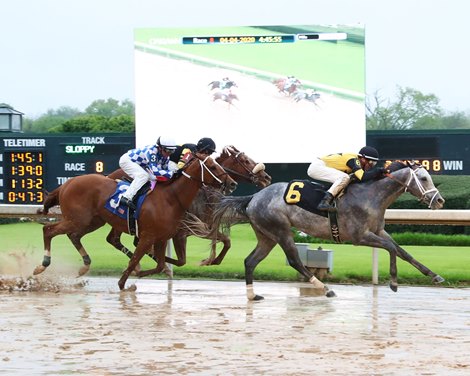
pixel 26 157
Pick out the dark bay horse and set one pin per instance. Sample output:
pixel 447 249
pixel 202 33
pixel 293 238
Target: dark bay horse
pixel 241 168
pixel 222 84
pixel 361 212
pixel 82 203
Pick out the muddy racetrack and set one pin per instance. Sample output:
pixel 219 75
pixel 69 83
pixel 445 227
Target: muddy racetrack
pixel 183 327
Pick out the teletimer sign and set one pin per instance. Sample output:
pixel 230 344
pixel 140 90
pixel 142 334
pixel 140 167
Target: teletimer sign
pixel 32 165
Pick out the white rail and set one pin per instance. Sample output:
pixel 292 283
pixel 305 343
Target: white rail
pixel 392 216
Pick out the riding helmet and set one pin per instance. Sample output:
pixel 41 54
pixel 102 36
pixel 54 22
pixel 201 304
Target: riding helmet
pixel 206 144
pixel 166 142
pixel 370 153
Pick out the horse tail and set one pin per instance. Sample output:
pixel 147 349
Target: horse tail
pixel 52 199
pixel 230 211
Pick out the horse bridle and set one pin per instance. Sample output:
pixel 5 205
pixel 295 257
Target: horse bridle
pixel 204 167
pixel 251 174
pixel 414 176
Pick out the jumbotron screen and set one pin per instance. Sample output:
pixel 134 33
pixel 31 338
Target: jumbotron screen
pixel 282 94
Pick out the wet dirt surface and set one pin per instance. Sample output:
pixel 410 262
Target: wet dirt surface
pixel 185 327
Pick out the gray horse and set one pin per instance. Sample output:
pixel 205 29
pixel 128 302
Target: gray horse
pixel 361 212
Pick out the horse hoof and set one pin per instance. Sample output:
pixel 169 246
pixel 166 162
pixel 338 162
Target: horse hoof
pixel 438 279
pixel 393 287
pixel 39 269
pixel 330 294
pixel 83 270
pixel 205 262
pixel 257 298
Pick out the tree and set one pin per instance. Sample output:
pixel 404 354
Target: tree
pixel 51 119
pixel 100 116
pixel 97 124
pixel 411 109
pixel 110 107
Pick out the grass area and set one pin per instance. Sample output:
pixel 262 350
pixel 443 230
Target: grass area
pixel 350 264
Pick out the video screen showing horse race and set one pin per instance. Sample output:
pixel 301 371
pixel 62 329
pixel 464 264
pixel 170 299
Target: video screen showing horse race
pixel 260 87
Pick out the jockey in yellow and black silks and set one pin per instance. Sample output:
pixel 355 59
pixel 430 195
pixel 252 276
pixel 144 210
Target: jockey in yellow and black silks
pixel 339 168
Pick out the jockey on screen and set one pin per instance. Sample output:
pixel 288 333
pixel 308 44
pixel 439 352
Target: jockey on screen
pixel 339 168
pixel 145 164
pixel 290 80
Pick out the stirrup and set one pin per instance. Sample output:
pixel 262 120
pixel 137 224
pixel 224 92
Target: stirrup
pixel 129 203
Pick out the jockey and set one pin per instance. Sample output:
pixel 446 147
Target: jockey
pixel 206 146
pixel 339 168
pixel 181 155
pixel 226 83
pixel 144 164
pixel 290 80
pixel 183 152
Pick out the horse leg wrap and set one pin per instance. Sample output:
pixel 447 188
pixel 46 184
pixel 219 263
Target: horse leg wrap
pixel 249 292
pixel 126 252
pixel 316 283
pixel 86 260
pixel 46 261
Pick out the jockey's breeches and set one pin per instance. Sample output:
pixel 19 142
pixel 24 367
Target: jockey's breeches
pixel 319 171
pixel 136 172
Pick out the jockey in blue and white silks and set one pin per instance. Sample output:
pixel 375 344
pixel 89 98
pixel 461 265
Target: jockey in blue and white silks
pixel 148 163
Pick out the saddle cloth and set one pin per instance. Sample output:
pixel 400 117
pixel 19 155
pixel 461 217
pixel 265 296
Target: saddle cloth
pixel 113 205
pixel 307 195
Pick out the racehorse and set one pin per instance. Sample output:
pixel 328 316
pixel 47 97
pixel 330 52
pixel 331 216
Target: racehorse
pixel 82 203
pixel 236 163
pixel 241 168
pixel 280 83
pixel 361 212
pixel 222 84
pixel 225 96
pixel 308 95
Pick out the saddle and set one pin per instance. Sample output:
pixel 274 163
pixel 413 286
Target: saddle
pixel 307 194
pixel 114 206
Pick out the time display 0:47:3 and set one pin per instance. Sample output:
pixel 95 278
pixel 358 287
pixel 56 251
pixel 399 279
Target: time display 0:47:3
pixel 28 197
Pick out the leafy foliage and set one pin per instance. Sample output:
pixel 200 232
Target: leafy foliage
pixel 411 110
pixel 100 116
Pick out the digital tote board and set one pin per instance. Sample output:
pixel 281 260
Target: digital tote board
pixel 30 166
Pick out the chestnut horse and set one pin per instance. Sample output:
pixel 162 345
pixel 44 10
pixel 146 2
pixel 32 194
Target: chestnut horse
pixel 82 200
pixel 280 83
pixel 228 97
pixel 241 168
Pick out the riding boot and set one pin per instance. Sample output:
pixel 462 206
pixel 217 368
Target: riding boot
pixel 326 203
pixel 129 203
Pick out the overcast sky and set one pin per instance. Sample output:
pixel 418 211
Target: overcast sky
pixel 70 52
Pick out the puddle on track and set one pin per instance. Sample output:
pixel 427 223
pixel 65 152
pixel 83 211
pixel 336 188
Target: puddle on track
pixel 186 327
